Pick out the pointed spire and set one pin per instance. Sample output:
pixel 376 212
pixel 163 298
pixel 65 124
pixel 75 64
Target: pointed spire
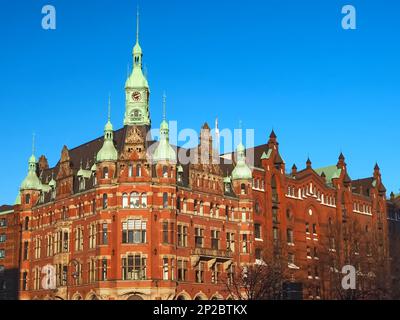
pixel 376 168
pixel 31 182
pixel 272 135
pixel 341 156
pixel 109 107
pixel 108 151
pixel 137 24
pixel 164 151
pixel 308 163
pixel 164 106
pixel 294 169
pixel 33 143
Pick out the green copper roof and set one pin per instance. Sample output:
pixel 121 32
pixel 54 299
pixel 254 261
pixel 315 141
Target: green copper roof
pixel 31 182
pixel 137 79
pixel 331 172
pixel 18 199
pixel 107 151
pixel 241 171
pixel 52 183
pixel 164 151
pixel 266 155
pixel 227 179
pixel 94 167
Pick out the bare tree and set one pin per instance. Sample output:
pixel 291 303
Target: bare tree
pixel 259 281
pixel 362 249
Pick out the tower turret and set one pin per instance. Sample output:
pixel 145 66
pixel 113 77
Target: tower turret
pixel 108 151
pixel 137 90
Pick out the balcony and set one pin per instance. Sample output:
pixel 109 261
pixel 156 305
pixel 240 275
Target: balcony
pixel 206 254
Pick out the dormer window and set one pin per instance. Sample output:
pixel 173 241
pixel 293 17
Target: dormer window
pixel 81 183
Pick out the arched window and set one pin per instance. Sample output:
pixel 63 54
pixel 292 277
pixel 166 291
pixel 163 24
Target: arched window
pixel 105 173
pixel 125 203
pixel 195 206
pixel 217 211
pixel 27 198
pixel 134 200
pixel 242 188
pixel 178 204
pixel 201 211
pixel 138 170
pixel 244 216
pixel 144 200
pixel 165 200
pixel 211 209
pixel 165 172
pixel 105 201
pixel 26 225
pixel 130 170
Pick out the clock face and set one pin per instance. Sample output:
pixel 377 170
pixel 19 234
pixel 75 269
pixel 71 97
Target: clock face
pixel 136 96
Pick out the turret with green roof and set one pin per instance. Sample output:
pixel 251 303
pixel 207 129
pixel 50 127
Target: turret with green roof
pixel 137 89
pixel 32 181
pixel 164 151
pixel 108 151
pixel 242 170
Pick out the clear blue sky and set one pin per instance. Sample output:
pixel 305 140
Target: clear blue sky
pixel 282 64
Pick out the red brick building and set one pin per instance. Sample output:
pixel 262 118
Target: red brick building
pixel 122 217
pixel 9 253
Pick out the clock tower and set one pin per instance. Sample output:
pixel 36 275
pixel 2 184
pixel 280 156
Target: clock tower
pixel 137 90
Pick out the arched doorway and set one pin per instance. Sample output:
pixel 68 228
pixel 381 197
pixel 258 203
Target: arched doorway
pixel 135 297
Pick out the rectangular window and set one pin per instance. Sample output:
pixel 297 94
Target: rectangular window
pixel 315 253
pixel 165 269
pixel 314 228
pixel 307 227
pixel 332 244
pixel 214 239
pixel 215 273
pixel 105 233
pixel 165 232
pixel 245 244
pixel 182 270
pixel 134 267
pixel 3 223
pixel 182 235
pixel 199 237
pixel 134 231
pixel 3 238
pixel 275 234
pixel 308 252
pixel 291 258
pixel 2 253
pixel 26 249
pixel 65 242
pixel 24 281
pixel 257 231
pixel 199 272
pixel 104 270
pixel 230 241
pixel 289 235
